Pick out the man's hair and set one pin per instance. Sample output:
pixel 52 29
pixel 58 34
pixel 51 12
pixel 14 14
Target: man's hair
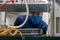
pixel 34 12
pixel 38 13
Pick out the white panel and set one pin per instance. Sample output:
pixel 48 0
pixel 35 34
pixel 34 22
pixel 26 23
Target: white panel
pixel 57 10
pixel 2 17
pixel 10 19
pixel 57 14
pixel 45 17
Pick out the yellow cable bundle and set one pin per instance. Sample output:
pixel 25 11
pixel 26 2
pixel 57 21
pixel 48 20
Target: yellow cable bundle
pixel 15 32
pixel 6 31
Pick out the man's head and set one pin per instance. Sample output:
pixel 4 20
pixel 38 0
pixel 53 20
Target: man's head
pixel 35 17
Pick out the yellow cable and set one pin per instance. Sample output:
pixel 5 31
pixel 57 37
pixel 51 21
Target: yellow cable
pixel 15 32
pixel 6 31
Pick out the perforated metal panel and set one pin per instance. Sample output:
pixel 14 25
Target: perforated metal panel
pixel 22 8
pixel 31 31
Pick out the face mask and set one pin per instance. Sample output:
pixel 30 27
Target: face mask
pixel 35 19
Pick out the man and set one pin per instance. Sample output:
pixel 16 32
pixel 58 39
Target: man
pixel 34 21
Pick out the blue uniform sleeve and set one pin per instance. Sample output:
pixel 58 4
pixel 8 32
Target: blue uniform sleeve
pixel 19 20
pixel 43 25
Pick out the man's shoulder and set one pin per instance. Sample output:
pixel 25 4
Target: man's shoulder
pixel 43 22
pixel 21 16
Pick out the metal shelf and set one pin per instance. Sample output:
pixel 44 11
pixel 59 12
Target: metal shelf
pixel 22 8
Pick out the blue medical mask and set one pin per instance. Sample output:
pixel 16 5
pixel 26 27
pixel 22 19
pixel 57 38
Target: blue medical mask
pixel 35 19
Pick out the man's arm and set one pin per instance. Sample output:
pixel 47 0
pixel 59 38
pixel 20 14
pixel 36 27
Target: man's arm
pixel 44 27
pixel 20 19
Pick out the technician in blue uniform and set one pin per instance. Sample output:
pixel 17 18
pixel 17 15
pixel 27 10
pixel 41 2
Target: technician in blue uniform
pixel 34 21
